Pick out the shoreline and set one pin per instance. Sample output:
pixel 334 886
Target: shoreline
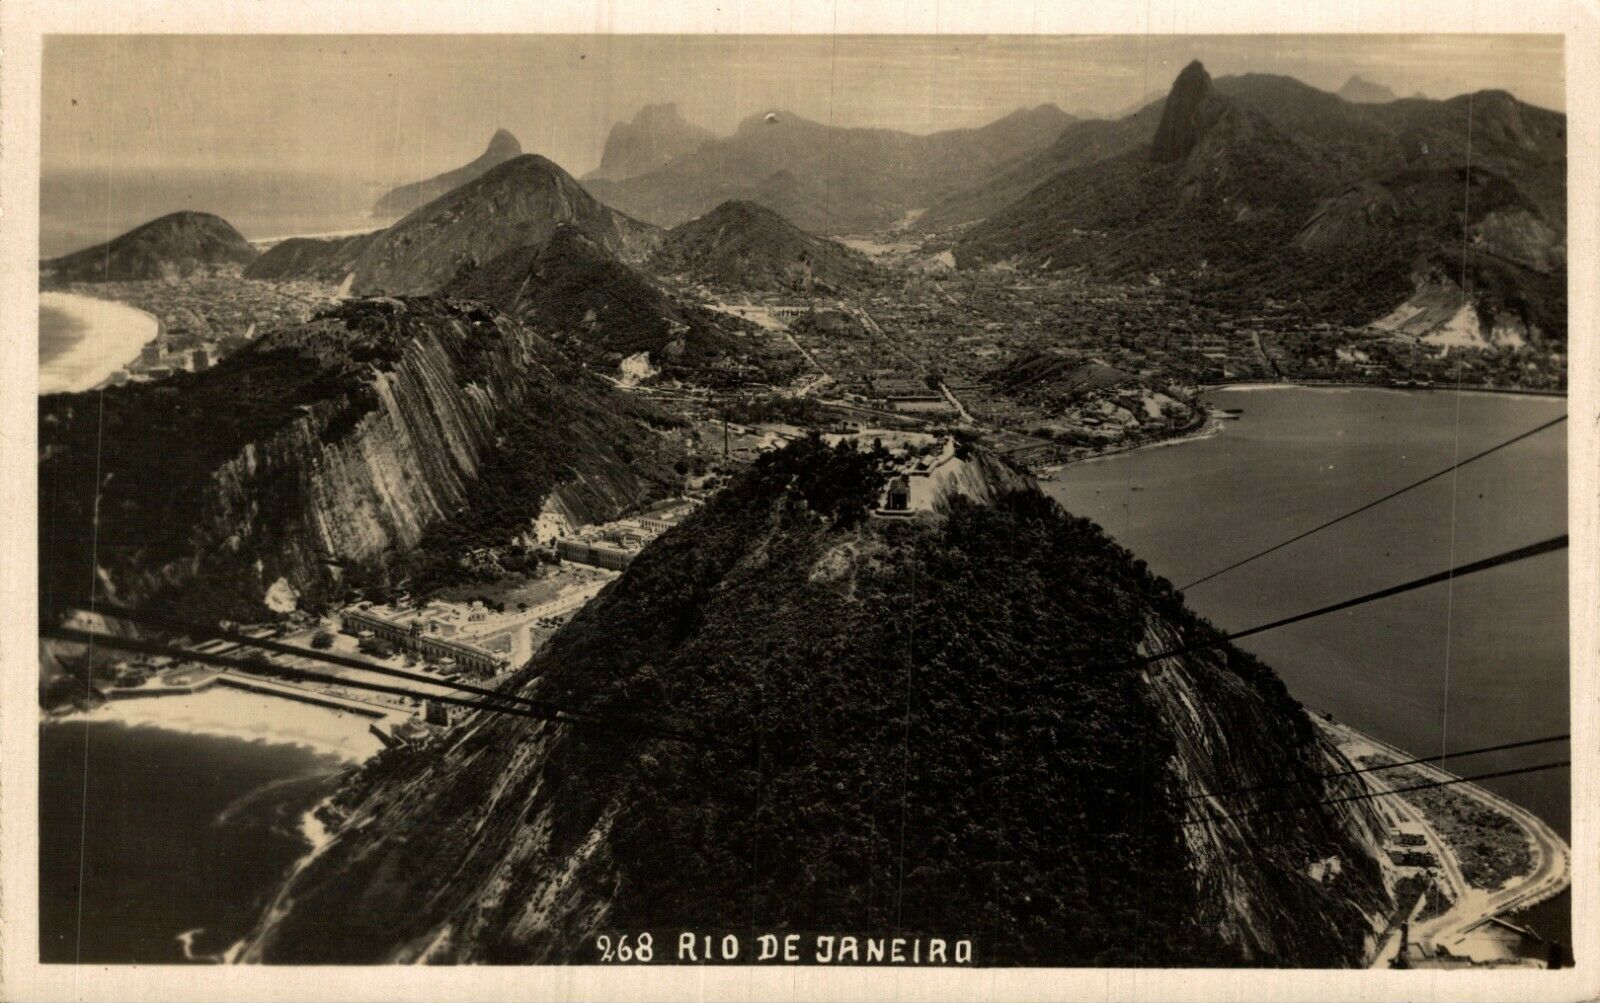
pixel 266 243
pixel 244 716
pixel 109 335
pixel 1212 425
pixel 1207 388
pixel 1551 855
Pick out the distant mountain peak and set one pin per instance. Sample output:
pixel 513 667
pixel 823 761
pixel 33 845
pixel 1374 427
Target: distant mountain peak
pixel 520 201
pixel 664 111
pixel 1363 91
pixel 1184 118
pixel 656 135
pixel 503 145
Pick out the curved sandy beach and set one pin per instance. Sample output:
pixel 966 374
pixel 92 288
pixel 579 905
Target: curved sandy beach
pixel 112 335
pixel 250 717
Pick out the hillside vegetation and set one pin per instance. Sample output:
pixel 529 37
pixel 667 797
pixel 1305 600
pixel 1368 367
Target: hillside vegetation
pixel 925 726
pixel 171 246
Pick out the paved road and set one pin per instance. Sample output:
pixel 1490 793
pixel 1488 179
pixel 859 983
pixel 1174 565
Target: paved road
pixel 966 419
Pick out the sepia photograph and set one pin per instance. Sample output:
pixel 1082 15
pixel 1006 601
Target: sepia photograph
pixel 914 501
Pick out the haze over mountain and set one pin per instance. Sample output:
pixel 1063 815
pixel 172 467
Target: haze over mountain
pixel 519 202
pixel 744 245
pixel 396 203
pixel 1362 91
pixel 826 179
pixel 177 244
pixel 656 135
pixel 1261 186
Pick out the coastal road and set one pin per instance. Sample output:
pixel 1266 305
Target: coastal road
pixel 1552 858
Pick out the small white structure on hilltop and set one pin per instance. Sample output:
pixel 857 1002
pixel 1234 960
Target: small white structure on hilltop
pixel 918 483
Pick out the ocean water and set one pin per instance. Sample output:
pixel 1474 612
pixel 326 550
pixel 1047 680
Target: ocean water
pixel 161 847
pixel 1477 662
pixel 81 208
pixel 57 334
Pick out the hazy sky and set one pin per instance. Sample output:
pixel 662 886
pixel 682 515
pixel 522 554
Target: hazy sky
pixel 385 108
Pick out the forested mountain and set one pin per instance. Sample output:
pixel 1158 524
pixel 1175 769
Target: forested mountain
pixel 926 724
pixel 744 245
pixel 174 245
pixel 519 202
pixel 579 294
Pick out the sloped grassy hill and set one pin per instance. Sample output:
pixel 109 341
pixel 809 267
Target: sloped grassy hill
pixel 931 727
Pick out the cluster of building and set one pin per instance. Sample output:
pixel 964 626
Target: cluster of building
pixel 614 545
pixel 204 318
pixel 434 631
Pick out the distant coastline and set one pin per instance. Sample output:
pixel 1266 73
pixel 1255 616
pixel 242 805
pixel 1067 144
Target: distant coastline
pixel 1377 385
pixel 89 340
pixel 1212 424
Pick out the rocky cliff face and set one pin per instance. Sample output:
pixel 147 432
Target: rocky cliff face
pixel 929 724
pixel 1255 872
pixel 337 443
pixel 1190 109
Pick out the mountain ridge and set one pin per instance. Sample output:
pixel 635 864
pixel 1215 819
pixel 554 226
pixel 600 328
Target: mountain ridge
pixel 398 201
pixel 743 244
pixel 520 201
pixel 170 246
pixel 1362 91
pixel 1261 186
pixel 433 420
pixel 656 135
pixel 826 179
pixel 575 291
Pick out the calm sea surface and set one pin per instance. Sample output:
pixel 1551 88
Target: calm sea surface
pixel 147 835
pixel 1478 662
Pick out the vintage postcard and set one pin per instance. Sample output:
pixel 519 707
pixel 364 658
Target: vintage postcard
pixel 669 502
